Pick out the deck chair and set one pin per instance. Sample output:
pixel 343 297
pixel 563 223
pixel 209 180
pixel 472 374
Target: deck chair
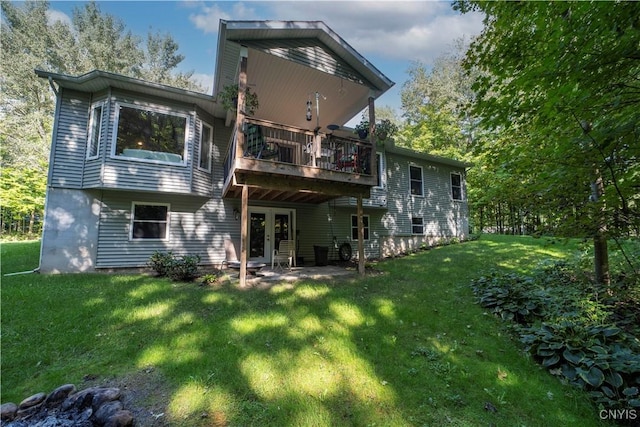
pixel 256 145
pixel 285 255
pixel 347 161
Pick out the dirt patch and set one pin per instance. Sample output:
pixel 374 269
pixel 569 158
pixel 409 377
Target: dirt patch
pixel 145 393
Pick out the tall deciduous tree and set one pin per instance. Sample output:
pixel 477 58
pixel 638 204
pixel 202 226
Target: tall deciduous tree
pixel 435 105
pixel 560 85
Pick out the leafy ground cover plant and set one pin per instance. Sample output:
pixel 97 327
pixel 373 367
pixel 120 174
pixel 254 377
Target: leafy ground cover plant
pixel 583 333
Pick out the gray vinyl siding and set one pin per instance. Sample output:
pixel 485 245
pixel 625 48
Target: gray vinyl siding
pixel 71 169
pixel 221 140
pixel 197 226
pixel 70 140
pixel 309 53
pixel 443 217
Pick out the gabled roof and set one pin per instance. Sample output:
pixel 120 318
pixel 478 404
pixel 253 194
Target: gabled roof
pixel 96 81
pixel 289 61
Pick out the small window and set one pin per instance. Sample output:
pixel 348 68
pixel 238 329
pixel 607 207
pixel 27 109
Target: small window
pixel 415 176
pixel 456 186
pixel 149 221
pixel 95 129
pixel 206 140
pixel 150 135
pixel 354 227
pixel 417 225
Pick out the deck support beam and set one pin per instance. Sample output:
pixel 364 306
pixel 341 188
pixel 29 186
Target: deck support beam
pixel 360 236
pixel 244 235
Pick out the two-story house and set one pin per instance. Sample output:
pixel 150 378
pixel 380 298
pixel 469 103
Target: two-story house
pixel 138 167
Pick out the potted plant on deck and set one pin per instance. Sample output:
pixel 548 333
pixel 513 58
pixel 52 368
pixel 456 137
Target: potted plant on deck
pixel 362 129
pixel 229 99
pixel 385 129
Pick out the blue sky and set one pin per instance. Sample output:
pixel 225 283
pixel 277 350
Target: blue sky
pixel 390 34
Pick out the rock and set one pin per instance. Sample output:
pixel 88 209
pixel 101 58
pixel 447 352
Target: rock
pixel 32 400
pixel 106 411
pixel 103 395
pixel 58 395
pixel 121 418
pixel 63 407
pixel 8 411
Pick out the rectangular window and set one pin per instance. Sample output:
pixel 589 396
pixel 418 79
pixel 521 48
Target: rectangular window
pixel 456 186
pixel 415 177
pixel 206 140
pixel 95 129
pixel 354 227
pixel 150 221
pixel 417 225
pixel 151 135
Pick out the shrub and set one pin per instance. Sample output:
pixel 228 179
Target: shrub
pixel 184 268
pixel 161 262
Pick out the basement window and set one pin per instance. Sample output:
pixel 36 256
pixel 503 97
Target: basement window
pixel 417 225
pixel 149 221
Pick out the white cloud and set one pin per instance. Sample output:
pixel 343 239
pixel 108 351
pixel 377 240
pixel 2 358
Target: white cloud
pixel 393 30
pixel 209 16
pixel 405 30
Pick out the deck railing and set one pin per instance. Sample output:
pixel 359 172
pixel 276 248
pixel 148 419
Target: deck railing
pixel 267 141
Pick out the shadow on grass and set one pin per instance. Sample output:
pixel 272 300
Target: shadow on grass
pixel 408 347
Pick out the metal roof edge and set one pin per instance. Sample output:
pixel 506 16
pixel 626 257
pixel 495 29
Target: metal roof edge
pixel 392 148
pixel 119 78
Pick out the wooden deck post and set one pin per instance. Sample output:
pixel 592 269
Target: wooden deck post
pixel 240 118
pixel 360 236
pixel 244 235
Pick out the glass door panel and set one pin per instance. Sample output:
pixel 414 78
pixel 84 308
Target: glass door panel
pixel 258 249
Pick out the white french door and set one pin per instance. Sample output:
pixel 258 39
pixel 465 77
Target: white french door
pixel 267 226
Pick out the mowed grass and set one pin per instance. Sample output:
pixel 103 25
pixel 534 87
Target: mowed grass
pixel 407 347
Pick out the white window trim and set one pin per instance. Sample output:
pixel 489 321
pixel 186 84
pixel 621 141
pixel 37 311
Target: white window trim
pixel 461 187
pixel 100 105
pixel 411 165
pixel 423 228
pixel 383 173
pixel 157 109
pixel 133 213
pixel 210 142
pixel 351 226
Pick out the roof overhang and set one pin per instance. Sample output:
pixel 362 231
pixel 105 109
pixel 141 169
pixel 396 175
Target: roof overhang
pixel 288 62
pixel 97 81
pixel 390 147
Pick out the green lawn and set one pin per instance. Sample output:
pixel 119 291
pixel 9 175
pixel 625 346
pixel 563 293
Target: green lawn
pixel 407 347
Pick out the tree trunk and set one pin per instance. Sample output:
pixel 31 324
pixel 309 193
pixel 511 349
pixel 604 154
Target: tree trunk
pixel 600 249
